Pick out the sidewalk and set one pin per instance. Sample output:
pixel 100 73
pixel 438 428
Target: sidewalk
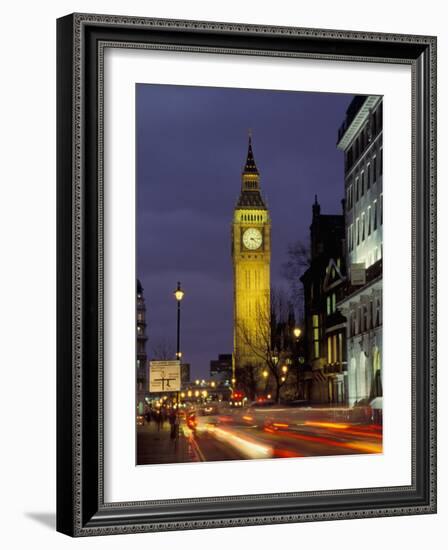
pixel 155 446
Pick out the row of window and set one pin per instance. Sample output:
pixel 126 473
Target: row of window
pixel 251 217
pixel 252 281
pixel 316 344
pixel 364 180
pixel 334 344
pixel 331 303
pixel 365 224
pixel 334 348
pixel 365 317
pixel 371 129
pixel 251 184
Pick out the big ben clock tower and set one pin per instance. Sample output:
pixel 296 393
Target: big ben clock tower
pixel 251 256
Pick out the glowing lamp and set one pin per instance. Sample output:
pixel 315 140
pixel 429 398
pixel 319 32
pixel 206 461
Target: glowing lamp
pixel 179 293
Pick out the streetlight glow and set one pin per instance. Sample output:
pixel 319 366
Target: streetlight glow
pixel 178 293
pixel 297 332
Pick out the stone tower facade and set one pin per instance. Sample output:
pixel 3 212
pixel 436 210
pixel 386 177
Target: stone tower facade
pixel 251 256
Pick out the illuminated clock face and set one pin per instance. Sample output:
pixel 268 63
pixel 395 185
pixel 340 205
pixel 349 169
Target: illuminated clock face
pixel 252 238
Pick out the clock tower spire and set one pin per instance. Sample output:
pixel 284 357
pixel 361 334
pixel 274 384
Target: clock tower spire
pixel 251 257
pixel 250 195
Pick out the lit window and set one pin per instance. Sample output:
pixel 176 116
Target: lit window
pixel 329 355
pixel 333 302
pixel 328 305
pixel 316 336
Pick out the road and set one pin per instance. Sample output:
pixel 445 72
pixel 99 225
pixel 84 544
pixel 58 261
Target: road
pixel 285 433
pixel 259 434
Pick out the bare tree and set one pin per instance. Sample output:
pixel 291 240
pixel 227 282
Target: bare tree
pixel 280 304
pixel 162 350
pixel 299 260
pixel 257 339
pixel 247 377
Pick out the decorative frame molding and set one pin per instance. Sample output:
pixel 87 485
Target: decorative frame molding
pixel 81 510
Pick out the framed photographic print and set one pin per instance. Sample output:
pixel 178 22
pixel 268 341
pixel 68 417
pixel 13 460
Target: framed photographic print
pixel 246 274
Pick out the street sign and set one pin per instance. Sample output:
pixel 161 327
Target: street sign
pixel 164 376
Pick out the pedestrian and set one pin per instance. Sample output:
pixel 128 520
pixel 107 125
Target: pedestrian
pixel 147 414
pixel 173 424
pixel 162 416
pixel 159 420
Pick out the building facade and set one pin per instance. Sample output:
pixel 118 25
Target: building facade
pixel 185 370
pixel 221 369
pixel 251 257
pixel 142 378
pixel 325 330
pixel 361 139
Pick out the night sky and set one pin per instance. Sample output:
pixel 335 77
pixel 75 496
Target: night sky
pixel 191 149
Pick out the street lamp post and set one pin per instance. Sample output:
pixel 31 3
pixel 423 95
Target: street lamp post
pixel 297 332
pixel 178 294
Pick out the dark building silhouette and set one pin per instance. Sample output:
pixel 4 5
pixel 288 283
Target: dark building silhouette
pixel 323 285
pixel 142 358
pixel 185 370
pixel 221 368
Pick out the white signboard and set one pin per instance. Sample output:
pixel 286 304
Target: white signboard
pixel 358 274
pixel 164 376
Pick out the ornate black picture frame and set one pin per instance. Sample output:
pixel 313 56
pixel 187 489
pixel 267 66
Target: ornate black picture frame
pixel 81 509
